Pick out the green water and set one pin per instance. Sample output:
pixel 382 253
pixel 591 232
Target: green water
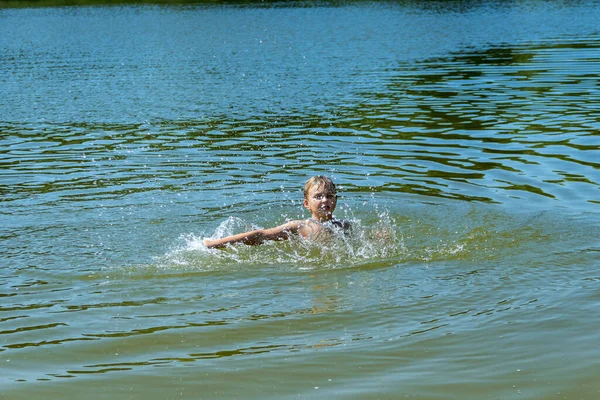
pixel 468 131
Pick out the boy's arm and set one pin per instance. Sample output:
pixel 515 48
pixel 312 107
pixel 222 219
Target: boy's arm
pixel 257 236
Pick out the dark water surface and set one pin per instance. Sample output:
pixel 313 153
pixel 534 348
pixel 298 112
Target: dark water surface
pixel 468 131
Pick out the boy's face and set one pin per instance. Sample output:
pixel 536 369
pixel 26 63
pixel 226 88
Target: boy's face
pixel 321 202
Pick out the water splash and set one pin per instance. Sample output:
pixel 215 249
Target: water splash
pixel 380 240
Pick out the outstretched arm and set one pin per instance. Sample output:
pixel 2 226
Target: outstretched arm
pixel 257 236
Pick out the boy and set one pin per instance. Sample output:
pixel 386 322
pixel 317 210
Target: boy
pixel 320 199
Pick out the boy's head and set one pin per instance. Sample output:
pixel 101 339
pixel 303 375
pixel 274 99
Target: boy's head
pixel 320 197
pixel 321 182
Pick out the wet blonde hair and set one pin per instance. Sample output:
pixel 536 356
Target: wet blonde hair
pixel 318 181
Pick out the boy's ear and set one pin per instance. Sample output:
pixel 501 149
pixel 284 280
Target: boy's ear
pixel 306 203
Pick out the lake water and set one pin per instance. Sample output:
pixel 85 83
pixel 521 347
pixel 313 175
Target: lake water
pixel 467 130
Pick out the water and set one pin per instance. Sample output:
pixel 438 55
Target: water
pixel 467 131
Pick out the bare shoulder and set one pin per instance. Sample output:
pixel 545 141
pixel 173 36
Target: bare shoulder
pixel 308 227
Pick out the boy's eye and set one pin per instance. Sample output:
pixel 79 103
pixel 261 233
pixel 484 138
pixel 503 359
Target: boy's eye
pixel 322 196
